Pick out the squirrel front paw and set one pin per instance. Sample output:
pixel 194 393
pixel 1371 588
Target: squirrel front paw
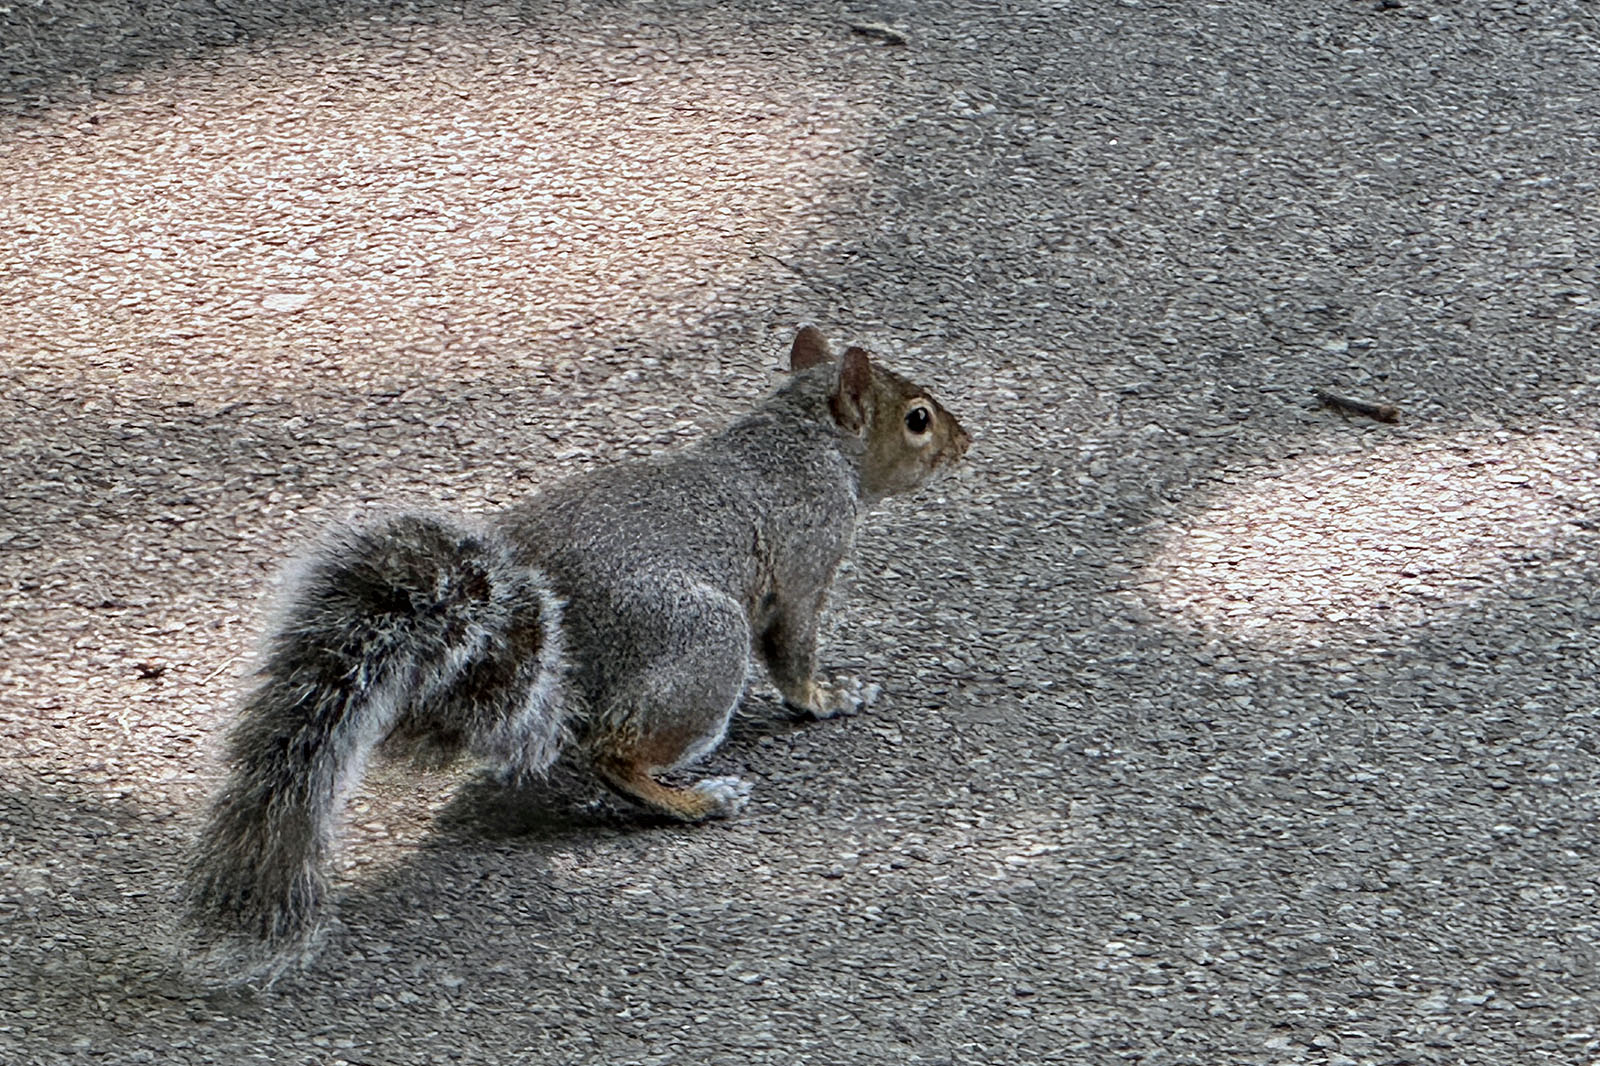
pixel 831 699
pixel 726 795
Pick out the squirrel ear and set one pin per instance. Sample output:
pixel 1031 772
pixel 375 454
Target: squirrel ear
pixel 852 401
pixel 810 349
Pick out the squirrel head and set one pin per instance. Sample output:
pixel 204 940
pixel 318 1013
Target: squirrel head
pixel 905 435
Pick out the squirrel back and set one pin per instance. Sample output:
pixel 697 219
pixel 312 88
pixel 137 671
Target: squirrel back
pixel 617 610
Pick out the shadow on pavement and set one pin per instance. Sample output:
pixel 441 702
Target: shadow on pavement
pixel 58 45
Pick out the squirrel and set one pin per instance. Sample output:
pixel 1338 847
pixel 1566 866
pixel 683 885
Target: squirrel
pixel 616 611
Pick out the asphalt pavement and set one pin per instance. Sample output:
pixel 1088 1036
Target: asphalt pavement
pixel 1218 726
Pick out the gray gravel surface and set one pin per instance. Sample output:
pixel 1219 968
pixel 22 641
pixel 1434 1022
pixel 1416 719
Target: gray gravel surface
pixel 1216 727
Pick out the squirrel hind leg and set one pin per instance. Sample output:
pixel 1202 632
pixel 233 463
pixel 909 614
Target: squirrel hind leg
pixel 626 761
pixel 713 797
pixel 680 661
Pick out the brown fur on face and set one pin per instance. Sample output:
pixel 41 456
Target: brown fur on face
pixel 899 458
pixel 907 435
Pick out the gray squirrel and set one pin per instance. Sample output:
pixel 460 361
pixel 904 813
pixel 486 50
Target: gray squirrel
pixel 616 611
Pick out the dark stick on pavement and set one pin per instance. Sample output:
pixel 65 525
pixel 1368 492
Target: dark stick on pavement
pixel 1381 412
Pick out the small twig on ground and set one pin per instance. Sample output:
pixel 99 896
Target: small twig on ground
pixel 878 32
pixel 796 271
pixel 229 661
pixel 1380 412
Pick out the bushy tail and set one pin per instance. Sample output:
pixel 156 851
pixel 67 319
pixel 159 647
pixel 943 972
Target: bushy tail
pixel 412 631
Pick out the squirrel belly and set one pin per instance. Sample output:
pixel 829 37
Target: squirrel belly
pixel 411 631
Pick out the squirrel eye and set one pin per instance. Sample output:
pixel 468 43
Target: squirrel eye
pixel 917 419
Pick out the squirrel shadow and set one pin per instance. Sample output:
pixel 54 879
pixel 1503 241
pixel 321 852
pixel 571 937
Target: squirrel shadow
pixel 495 856
pixel 570 802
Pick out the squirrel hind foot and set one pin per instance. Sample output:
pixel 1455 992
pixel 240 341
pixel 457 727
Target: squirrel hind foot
pixel 728 794
pixel 713 797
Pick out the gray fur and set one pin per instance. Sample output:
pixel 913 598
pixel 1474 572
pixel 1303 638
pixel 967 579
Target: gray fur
pixel 618 609
pixel 762 514
pixel 390 628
